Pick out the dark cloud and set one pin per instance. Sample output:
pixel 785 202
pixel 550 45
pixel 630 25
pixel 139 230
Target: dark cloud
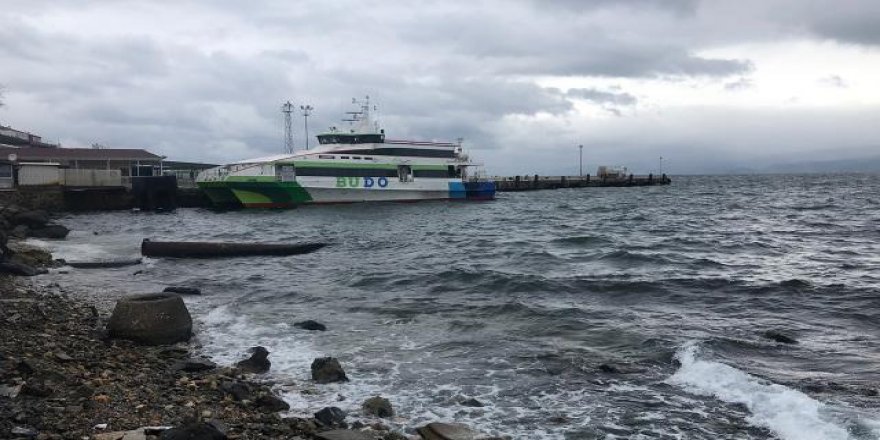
pixel 204 80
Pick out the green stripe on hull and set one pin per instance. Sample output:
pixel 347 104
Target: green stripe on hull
pixel 220 194
pixel 273 194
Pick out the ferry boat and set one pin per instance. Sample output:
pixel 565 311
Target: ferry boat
pixel 357 165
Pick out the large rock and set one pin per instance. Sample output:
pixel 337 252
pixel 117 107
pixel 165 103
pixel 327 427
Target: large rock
pixel 331 416
pixel 378 406
pixel 34 219
pixel 257 363
pixel 195 431
pixel 49 231
pixel 328 370
pixel 151 319
pixel 451 431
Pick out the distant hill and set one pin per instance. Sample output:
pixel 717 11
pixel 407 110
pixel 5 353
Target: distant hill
pixel 859 165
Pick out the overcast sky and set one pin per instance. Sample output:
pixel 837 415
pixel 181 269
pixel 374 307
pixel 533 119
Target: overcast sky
pixel 709 85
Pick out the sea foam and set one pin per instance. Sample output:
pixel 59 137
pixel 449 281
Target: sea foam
pixel 790 414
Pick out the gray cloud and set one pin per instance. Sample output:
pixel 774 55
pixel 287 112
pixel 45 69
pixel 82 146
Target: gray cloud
pixel 204 81
pixel 849 21
pixel 602 97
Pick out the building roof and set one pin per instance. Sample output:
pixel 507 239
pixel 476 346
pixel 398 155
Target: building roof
pixel 68 154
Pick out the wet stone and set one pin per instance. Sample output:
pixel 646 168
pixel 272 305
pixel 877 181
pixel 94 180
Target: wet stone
pixel 328 370
pixel 257 363
pixel 331 416
pixel 378 406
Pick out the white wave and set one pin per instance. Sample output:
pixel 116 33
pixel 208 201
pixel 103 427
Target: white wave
pixel 790 414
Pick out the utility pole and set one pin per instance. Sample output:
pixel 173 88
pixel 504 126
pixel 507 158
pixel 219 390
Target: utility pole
pixel 306 111
pixel 581 161
pixel 287 108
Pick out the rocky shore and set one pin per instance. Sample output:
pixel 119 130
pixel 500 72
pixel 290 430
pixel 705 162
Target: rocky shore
pixel 63 375
pixel 62 378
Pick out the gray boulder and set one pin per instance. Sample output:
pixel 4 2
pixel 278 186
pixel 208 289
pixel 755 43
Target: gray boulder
pixel 151 319
pixel 328 370
pixel 378 406
pixel 331 416
pixel 257 363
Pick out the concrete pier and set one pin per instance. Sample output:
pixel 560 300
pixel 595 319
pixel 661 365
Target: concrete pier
pixel 536 182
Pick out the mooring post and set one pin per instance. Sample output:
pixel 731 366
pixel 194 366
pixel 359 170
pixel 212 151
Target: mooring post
pixel 650 178
pixel 535 184
pixel 630 179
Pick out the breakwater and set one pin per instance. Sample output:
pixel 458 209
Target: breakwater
pixel 536 182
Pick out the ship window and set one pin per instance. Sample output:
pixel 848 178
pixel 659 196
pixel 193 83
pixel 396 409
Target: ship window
pixel 325 156
pixel 343 157
pixel 431 173
pixel 356 157
pixel 346 172
pixel 451 171
pixel 404 173
pixel 368 158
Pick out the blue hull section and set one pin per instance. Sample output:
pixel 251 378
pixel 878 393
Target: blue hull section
pixel 472 190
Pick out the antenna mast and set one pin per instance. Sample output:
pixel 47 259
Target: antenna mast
pixel 287 109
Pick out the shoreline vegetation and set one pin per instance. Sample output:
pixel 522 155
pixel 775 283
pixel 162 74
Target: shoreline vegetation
pixel 62 376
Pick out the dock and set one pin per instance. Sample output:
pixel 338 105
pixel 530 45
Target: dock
pixel 536 182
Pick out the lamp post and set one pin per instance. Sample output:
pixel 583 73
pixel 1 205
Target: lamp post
pixel 306 111
pixel 661 165
pixel 581 160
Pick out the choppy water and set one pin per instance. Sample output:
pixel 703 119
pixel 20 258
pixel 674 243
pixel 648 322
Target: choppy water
pixel 518 302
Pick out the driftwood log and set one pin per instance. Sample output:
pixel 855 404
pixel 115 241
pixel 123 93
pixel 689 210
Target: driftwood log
pixel 196 249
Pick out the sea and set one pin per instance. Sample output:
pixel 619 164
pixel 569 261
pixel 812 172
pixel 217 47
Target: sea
pixel 593 313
